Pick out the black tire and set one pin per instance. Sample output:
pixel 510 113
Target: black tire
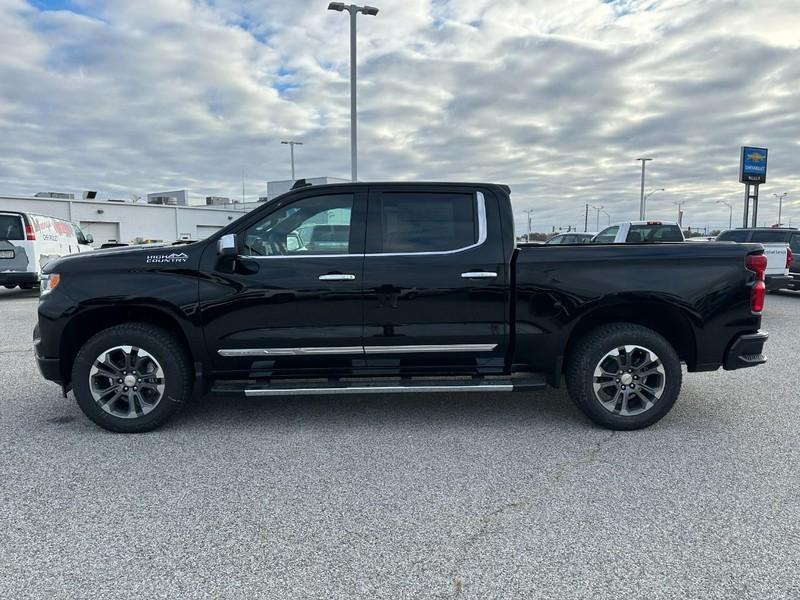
pixel 170 355
pixel 9 286
pixel 594 347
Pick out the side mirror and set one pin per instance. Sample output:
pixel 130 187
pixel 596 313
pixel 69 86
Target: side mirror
pixel 226 245
pixel 89 238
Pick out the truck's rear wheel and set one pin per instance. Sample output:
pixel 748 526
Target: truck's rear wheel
pixel 131 378
pixel 624 376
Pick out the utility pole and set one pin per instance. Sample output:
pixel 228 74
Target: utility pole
pixel 292 144
pixel 780 198
pixel 586 219
pixel 609 217
pixel 353 10
pixel 641 197
pixel 598 209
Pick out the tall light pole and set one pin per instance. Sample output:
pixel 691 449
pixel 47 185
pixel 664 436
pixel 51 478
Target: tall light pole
pixel 598 209
pixel 680 204
pixel 353 10
pixel 730 212
pixel 646 196
pixel 529 212
pixel 641 198
pixel 292 144
pixel 780 198
pixel 608 215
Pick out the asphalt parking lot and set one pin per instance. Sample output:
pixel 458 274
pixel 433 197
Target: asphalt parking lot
pixel 443 496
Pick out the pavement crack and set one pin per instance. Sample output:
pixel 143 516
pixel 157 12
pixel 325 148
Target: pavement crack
pixel 588 457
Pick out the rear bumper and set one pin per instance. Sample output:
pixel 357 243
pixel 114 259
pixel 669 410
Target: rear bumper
pixel 794 282
pixel 746 351
pixel 18 277
pixel 778 282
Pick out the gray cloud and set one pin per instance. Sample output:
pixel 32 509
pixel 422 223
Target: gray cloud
pixel 556 99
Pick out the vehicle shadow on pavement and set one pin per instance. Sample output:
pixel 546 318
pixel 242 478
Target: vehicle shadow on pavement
pixel 553 406
pixel 17 294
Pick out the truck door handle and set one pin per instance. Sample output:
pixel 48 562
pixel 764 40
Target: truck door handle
pixel 337 277
pixel 479 275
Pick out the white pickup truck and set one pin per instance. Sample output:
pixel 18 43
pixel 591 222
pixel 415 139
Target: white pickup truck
pixel 776 242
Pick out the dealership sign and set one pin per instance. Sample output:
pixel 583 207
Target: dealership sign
pixel 753 165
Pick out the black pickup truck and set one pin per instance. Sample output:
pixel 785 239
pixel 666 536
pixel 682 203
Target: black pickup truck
pixel 394 287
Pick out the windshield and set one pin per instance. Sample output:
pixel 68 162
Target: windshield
pixel 11 227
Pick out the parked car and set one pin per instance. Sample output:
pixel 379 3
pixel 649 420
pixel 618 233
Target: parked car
pixel 430 294
pixel 573 237
pixel 780 246
pixel 637 232
pixel 29 241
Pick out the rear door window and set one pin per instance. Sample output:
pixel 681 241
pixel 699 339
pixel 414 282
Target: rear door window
pixel 11 227
pixel 734 235
pixel 427 222
pixel 769 237
pixel 654 233
pixel 607 236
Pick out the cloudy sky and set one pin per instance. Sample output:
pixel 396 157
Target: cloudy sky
pixel 556 99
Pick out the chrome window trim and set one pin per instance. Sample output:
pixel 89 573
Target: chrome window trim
pixel 480 202
pixel 317 351
pixel 429 348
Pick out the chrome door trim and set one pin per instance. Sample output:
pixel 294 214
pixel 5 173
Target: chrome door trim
pixel 480 202
pixel 429 348
pixel 316 351
pixel 479 275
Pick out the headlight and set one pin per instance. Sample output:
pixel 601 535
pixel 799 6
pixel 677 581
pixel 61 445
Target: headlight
pixel 49 282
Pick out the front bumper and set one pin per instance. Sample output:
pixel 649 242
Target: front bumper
pixel 50 368
pixel 746 351
pixel 18 277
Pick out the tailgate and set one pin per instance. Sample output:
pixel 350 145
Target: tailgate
pixel 776 258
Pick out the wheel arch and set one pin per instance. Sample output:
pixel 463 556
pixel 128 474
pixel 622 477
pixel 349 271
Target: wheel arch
pixel 89 322
pixel 664 318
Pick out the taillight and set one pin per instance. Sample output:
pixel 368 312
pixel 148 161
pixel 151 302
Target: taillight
pixel 30 234
pixel 789 257
pixel 758 264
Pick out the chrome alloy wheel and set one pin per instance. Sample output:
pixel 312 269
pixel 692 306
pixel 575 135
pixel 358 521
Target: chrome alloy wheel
pixel 629 380
pixel 126 382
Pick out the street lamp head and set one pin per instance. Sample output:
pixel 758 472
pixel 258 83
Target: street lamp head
pixel 336 6
pixel 369 10
pixel 643 159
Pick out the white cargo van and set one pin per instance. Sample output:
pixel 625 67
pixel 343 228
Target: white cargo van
pixel 28 242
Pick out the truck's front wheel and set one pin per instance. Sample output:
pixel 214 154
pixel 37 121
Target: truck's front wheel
pixel 624 376
pixel 131 378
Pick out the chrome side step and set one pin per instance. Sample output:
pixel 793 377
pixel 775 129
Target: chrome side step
pixel 286 387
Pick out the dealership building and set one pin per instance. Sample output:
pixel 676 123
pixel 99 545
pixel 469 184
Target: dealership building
pixel 162 216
